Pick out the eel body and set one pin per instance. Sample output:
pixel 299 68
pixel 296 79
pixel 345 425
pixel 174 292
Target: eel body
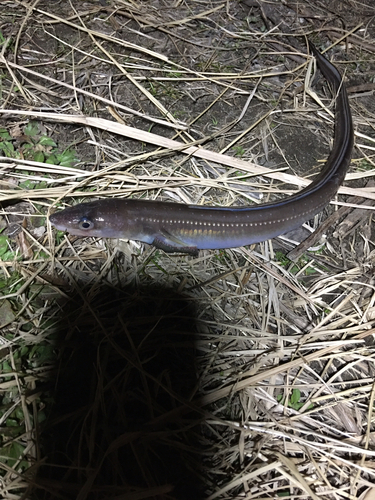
pixel 176 227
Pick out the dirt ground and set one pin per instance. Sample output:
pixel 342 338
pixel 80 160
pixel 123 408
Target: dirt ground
pixel 128 373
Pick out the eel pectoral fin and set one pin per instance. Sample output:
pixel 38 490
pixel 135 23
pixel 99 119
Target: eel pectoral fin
pixel 169 243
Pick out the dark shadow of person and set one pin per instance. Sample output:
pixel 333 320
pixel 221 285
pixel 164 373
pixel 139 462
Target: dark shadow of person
pixel 126 363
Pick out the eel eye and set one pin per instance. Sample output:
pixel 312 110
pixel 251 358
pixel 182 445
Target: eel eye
pixel 85 224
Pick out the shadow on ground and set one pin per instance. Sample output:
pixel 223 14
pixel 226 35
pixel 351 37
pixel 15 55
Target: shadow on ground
pixel 127 361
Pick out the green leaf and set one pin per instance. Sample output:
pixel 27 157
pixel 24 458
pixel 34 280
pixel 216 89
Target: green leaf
pixel 9 256
pixel 68 158
pixel 41 416
pixel 284 493
pixel 295 397
pixel 51 160
pixel 39 156
pixel 6 367
pixel 8 148
pixel 11 284
pixel 42 354
pixel 47 141
pixel 27 184
pixel 12 453
pixel 3 245
pixel 19 413
pixel 24 350
pixel 43 255
pixel 4 134
pixel 11 422
pixel 31 129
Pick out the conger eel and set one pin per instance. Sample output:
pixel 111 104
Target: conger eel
pixel 176 227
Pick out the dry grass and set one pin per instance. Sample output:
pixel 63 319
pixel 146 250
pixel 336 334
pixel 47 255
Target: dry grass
pixel 127 373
